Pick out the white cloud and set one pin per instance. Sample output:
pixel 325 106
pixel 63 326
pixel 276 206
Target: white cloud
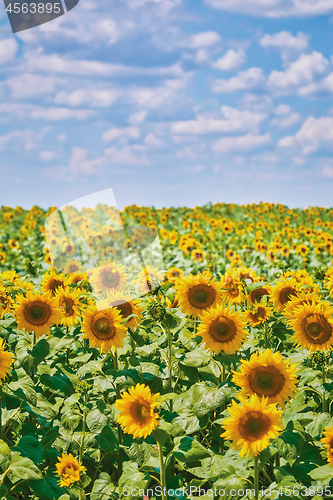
pixel 327 171
pixel 8 48
pixel 287 121
pixel 204 39
pixel 28 85
pixel 275 8
pixel 116 133
pixel 282 109
pixel 90 97
pixel 108 29
pixel 79 164
pixel 231 60
pixel 324 86
pixel 56 114
pixel 251 78
pixel 137 117
pixel 152 140
pixel 314 134
pixel 234 120
pixel 151 97
pixel 299 72
pixel 130 155
pixel 244 143
pixel 285 40
pixel 47 155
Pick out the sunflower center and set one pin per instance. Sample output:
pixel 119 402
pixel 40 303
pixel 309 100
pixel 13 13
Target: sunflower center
pixel 201 296
pixel 141 411
pixel 233 288
pixel 125 309
pixel 317 329
pixel 255 295
pixel 103 328
pixel 286 294
pixel 266 381
pixel 110 279
pixel 54 285
pixel 175 274
pixel 67 305
pixel 222 329
pixel 37 313
pixel 254 426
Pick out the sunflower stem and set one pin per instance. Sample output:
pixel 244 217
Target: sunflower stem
pixel 324 381
pixel 256 477
pixel 1 398
pixel 162 469
pixel 170 365
pixel 83 429
pixel 266 335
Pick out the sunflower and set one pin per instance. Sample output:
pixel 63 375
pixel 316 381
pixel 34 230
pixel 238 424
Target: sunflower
pixel 37 313
pixel 126 307
pixel 258 314
pixel 233 291
pixel 76 277
pixel 196 294
pixel 72 266
pixel 268 375
pixel 137 411
pixel 298 300
pixel 222 329
pixel 2 257
pixel 109 277
pixel 5 302
pixel 69 304
pixel 174 273
pixel 198 255
pixel 52 281
pixel 102 326
pixel 6 361
pixel 257 294
pixel 252 425
pixel 328 442
pixel 283 291
pixel 69 470
pixel 148 279
pixel 13 244
pixel 313 325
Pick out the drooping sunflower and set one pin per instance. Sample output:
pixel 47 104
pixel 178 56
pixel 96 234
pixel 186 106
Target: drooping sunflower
pixel 258 314
pixel 313 325
pixel 196 294
pixel 69 470
pixel 328 442
pixel 126 306
pixel 6 361
pixel 222 329
pixel 300 299
pixel 283 291
pixel 267 374
pixel 69 303
pixel 252 425
pixel 233 291
pixel 52 281
pixel 137 411
pixel 102 327
pixel 108 278
pixel 37 313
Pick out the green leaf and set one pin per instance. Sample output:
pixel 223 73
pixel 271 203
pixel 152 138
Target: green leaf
pixel 188 450
pixel 132 479
pixel 58 383
pixel 96 420
pixel 46 488
pixel 319 422
pixel 22 386
pixel 30 447
pixel 322 473
pixel 196 358
pixel 103 488
pixel 40 351
pixel 22 468
pixel 107 440
pixel 50 436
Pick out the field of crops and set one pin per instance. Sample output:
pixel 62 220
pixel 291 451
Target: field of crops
pixel 205 374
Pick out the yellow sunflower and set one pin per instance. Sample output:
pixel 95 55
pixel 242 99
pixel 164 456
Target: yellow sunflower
pixel 77 277
pixel 198 255
pixel 108 278
pixel 283 291
pixel 137 411
pixel 72 266
pixel 148 279
pixel 5 302
pixel 174 274
pixel 69 470
pixel 103 327
pixel 300 299
pixel 6 361
pixel 196 294
pixel 222 329
pixel 37 313
pixel 313 325
pixel 328 442
pixel 268 375
pixel 258 314
pixel 52 281
pixel 233 291
pixel 256 294
pixel 252 425
pixel 126 307
pixel 69 304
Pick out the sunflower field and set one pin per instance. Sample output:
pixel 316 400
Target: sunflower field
pixel 208 377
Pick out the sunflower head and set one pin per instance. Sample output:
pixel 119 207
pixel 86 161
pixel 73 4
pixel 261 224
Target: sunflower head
pixel 196 294
pixel 313 325
pixel 102 326
pixel 258 314
pixel 137 411
pixel 283 291
pixel 37 313
pixel 52 281
pixel 126 307
pixel 69 470
pixel 252 425
pixel 327 440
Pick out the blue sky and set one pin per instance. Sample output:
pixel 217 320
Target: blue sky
pixel 170 102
